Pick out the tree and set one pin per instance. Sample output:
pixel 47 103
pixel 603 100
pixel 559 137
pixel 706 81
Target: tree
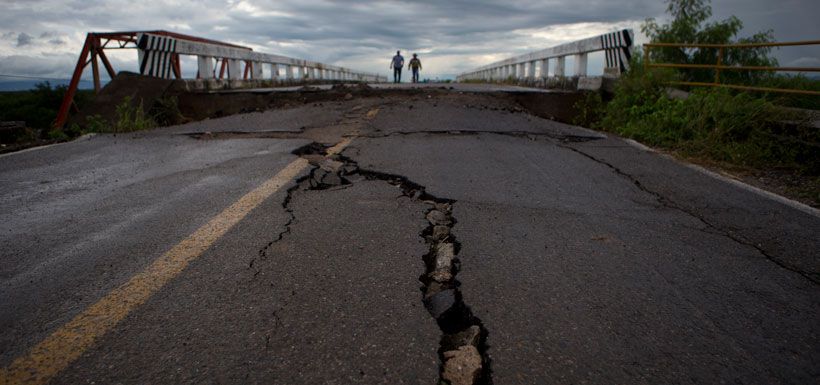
pixel 689 25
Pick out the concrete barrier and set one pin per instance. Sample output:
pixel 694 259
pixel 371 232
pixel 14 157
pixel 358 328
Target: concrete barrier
pixel 156 53
pixel 616 45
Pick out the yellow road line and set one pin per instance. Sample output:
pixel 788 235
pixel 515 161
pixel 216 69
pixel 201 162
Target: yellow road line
pixel 67 343
pixel 339 146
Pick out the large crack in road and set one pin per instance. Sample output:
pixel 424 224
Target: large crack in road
pixel 463 344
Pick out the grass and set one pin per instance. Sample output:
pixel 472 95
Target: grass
pixel 735 128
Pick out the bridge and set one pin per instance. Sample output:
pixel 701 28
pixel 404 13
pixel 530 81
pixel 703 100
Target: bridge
pixel 312 225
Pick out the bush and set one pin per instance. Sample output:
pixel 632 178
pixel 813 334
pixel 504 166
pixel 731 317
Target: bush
pixel 132 117
pixel 793 82
pixel 165 111
pixel 719 124
pixel 689 24
pixel 590 110
pixel 37 107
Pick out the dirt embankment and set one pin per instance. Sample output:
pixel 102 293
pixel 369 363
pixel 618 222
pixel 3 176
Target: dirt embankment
pixel 193 106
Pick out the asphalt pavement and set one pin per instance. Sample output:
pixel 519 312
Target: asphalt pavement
pixel 580 257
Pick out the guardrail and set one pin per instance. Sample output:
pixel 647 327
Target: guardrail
pixel 617 46
pixel 159 56
pixel 719 66
pixel 237 62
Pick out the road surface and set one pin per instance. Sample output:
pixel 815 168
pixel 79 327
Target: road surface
pixel 233 251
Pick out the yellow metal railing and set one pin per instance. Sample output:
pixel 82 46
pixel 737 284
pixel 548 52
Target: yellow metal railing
pixel 719 66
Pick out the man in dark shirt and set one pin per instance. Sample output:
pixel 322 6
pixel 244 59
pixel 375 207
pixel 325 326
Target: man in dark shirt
pixel 415 66
pixel 396 64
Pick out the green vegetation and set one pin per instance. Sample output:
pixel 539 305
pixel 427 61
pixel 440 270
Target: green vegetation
pixel 131 117
pixel 689 25
pixel 750 130
pixel 38 109
pixel 717 124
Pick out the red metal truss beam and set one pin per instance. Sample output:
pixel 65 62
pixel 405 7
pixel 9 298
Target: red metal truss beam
pixel 175 66
pixel 68 99
pixel 95 69
pixel 94 48
pixel 104 60
pixel 222 68
pixel 197 39
pixel 133 36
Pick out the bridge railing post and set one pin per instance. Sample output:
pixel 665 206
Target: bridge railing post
pixel 256 70
pixel 274 71
pixel 560 66
pixel 205 67
pixel 581 64
pixel 234 69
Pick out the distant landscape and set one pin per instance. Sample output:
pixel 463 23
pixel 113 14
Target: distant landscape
pixel 28 84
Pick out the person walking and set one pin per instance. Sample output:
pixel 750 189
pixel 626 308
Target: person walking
pixel 415 66
pixel 396 64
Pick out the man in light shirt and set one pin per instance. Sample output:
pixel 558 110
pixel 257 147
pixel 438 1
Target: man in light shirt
pixel 396 64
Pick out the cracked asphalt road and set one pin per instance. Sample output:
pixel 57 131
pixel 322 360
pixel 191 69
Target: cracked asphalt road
pixel 587 260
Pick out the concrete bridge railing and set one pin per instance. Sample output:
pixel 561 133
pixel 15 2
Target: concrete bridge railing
pixel 156 51
pixel 219 64
pixel 616 45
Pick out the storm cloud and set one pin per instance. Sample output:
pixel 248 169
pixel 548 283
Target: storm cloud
pixel 450 36
pixel 24 39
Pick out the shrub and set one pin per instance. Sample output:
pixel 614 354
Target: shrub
pixel 131 117
pixel 37 107
pixel 689 24
pixel 720 124
pixel 165 111
pixel 590 110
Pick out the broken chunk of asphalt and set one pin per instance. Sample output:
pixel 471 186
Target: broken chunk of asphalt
pixel 469 336
pixel 438 218
pixel 440 233
pixel 439 303
pixel 463 345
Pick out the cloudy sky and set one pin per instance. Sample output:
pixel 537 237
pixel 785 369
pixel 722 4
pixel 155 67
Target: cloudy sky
pixel 42 38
